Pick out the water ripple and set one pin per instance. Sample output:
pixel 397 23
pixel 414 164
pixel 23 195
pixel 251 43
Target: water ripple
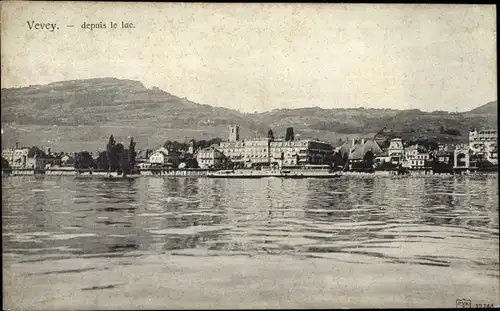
pixel 439 221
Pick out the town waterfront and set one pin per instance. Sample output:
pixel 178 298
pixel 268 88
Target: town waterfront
pixel 167 242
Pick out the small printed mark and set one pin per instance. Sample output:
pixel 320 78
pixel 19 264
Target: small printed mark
pixel 463 303
pixel 68 271
pixel 97 287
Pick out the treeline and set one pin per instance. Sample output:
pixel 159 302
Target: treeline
pixel 452 132
pixel 114 158
pixel 197 144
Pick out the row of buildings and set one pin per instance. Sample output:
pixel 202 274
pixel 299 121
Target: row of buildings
pixel 482 147
pixel 245 153
pixel 20 158
pixel 264 152
pixel 238 152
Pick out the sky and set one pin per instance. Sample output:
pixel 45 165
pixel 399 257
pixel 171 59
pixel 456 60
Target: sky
pixel 260 57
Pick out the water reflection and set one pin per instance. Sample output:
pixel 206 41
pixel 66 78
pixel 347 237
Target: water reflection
pixel 432 221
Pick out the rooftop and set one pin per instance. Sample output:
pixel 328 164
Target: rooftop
pixel 360 149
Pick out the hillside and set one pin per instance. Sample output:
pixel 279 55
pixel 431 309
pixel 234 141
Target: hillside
pixel 81 114
pixel 489 108
pixel 366 122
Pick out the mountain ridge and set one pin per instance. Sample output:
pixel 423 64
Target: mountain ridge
pixel 126 107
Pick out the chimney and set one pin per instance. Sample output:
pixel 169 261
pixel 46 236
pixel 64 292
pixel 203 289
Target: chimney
pixel 362 141
pixel 17 145
pixel 353 142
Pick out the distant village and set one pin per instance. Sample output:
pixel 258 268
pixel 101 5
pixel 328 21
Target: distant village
pixel 481 153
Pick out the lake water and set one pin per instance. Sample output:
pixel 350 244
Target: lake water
pixel 251 243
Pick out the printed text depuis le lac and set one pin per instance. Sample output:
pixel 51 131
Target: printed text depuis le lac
pixel 51 27
pixel 103 25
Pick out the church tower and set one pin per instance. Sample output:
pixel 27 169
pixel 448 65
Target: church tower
pixel 234 133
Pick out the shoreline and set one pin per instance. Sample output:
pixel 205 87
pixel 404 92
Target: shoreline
pixel 206 174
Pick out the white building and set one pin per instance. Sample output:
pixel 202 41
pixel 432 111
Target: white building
pixel 484 143
pixel 266 151
pixel 210 157
pixel 396 150
pixel 17 158
pixel 68 160
pixel 8 154
pixel 415 157
pixel 163 156
pixel 43 161
pixel 301 152
pixel 247 152
pixel 461 157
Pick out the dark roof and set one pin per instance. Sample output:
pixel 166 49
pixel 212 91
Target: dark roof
pixel 361 149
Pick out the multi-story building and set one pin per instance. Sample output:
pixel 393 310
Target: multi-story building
pixel 210 157
pixel 493 155
pixel 163 156
pixel 17 158
pixel 396 150
pixel 445 148
pixel 42 161
pixel 245 152
pixel 484 143
pixel 301 152
pixel 257 151
pixel 461 157
pixel 266 151
pixel 8 155
pixel 415 157
pixel 249 152
pixel 444 156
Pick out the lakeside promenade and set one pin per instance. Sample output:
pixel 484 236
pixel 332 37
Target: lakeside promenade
pixel 206 172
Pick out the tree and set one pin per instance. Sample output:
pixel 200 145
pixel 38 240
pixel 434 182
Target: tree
pixel 167 145
pixel 289 134
pixel 132 153
pixel 214 141
pixel 109 149
pixel 200 144
pixel 206 143
pixel 115 157
pixel 192 163
pixel 124 161
pixel 345 157
pixel 385 144
pixel 453 132
pixel 32 151
pixel 337 160
pixel 270 134
pixel 83 160
pixel 102 161
pixel 368 159
pixel 5 163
